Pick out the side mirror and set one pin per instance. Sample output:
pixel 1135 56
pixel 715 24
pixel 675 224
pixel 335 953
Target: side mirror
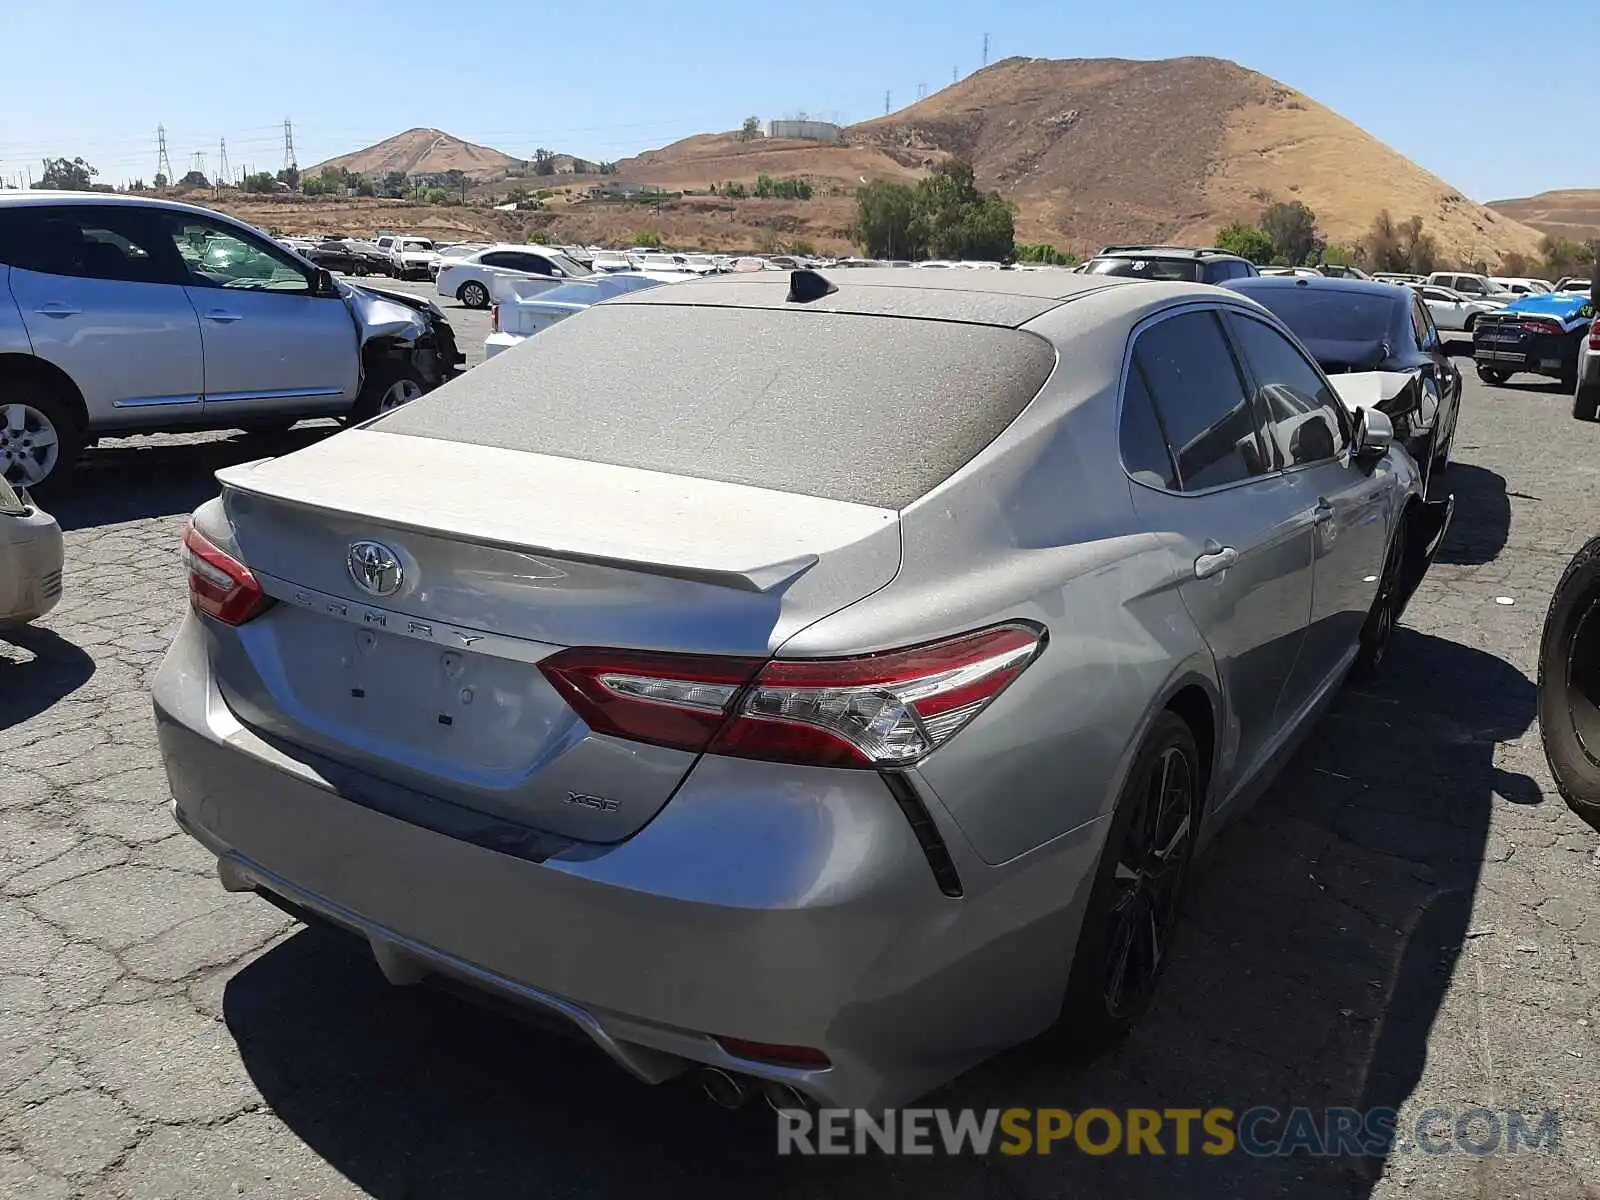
pixel 1374 435
pixel 323 285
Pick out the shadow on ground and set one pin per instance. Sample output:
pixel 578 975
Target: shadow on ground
pixel 130 479
pixel 1482 520
pixel 50 669
pixel 1319 943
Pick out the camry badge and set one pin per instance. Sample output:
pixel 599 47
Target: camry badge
pixel 374 568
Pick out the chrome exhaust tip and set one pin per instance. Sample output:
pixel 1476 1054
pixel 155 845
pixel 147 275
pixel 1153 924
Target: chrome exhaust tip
pixel 723 1089
pixel 785 1097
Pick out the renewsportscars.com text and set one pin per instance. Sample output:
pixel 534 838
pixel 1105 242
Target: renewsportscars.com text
pixel 1258 1132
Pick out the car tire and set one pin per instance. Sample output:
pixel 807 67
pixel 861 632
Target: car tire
pixel 1155 849
pixel 1569 376
pixel 34 417
pixel 1472 319
pixel 387 386
pixel 1586 401
pixel 1384 614
pixel 1569 684
pixel 473 294
pixel 1493 375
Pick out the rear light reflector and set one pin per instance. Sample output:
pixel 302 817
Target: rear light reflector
pixel 773 1052
pixel 877 710
pixel 494 318
pixel 1594 335
pixel 220 585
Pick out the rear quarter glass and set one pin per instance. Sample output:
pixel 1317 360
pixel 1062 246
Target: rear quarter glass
pixel 866 409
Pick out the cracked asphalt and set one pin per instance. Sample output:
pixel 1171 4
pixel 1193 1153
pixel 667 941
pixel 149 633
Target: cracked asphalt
pixel 1403 921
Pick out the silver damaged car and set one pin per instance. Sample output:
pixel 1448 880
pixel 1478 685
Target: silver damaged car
pixel 824 683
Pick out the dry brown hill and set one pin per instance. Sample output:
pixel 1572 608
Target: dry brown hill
pixel 1098 150
pixel 1571 213
pixel 423 151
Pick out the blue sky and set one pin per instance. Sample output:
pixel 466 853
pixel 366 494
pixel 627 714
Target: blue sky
pixel 1483 94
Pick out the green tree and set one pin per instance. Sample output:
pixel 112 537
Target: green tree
pixel 434 195
pixel 194 179
pixel 261 181
pixel 1338 255
pixel 955 220
pixel 1044 252
pixel 67 175
pixel 735 191
pixel 647 237
pixel 606 168
pixel 1293 230
pixel 1247 241
pixel 291 176
pixel 885 215
pixel 544 162
pixel 394 184
pixel 160 180
pixel 750 130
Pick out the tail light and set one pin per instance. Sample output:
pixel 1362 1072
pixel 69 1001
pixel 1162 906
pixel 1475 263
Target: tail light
pixel 1543 327
pixel 1594 335
pixel 494 318
pixel 877 710
pixel 220 585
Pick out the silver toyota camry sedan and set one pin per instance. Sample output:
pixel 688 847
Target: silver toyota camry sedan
pixel 823 683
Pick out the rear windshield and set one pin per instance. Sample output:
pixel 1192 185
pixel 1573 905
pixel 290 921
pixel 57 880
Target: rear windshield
pixel 867 409
pixel 1330 315
pixel 1186 270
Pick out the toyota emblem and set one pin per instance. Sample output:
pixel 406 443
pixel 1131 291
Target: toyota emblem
pixel 375 568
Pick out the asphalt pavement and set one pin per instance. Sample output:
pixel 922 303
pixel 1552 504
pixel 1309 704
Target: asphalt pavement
pixel 1403 921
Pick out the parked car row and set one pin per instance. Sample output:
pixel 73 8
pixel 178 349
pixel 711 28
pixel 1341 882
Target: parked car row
pixel 780 678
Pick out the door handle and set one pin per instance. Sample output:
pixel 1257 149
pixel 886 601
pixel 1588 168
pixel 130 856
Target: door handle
pixel 223 318
pixel 1215 562
pixel 1323 512
pixel 55 309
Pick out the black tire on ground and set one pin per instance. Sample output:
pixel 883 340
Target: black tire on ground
pixel 1569 376
pixel 1493 375
pixel 1094 1013
pixel 1385 611
pixel 1586 402
pixel 1569 684
pixel 473 294
pixel 63 416
pixel 380 378
pixel 1472 319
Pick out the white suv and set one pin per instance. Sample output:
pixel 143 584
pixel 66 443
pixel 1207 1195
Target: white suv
pixel 124 315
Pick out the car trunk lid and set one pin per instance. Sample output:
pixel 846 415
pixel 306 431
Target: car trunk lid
pixel 501 558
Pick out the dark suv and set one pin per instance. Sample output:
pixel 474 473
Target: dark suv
pixel 1189 264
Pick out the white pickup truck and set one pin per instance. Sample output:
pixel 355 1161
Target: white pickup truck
pixel 522 307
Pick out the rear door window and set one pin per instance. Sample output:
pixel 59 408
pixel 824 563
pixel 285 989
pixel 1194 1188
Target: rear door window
pixel 1200 401
pixel 114 242
pixel 1303 418
pixel 1145 455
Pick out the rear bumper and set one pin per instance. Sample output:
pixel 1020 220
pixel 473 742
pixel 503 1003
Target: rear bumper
pixel 1542 354
pixel 496 342
pixel 790 907
pixel 30 567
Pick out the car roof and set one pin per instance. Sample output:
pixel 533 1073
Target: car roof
pixel 1002 298
pixel 1321 283
pixel 1165 251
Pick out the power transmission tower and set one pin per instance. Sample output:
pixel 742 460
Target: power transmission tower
pixel 224 175
pixel 922 91
pixel 986 49
pixel 199 163
pixel 886 104
pixel 289 162
pixel 163 163
pixel 953 78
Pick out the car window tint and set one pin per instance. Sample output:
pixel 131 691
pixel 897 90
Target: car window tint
pixel 1144 446
pixel 1419 323
pixel 108 242
pixel 499 258
pixel 1303 418
pixel 219 256
pixel 1200 401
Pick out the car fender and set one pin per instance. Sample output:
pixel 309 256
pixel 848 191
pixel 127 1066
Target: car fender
pixel 377 316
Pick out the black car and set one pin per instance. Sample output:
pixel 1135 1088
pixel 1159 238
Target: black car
pixel 1540 334
pixel 1187 264
pixel 348 259
pixel 1353 325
